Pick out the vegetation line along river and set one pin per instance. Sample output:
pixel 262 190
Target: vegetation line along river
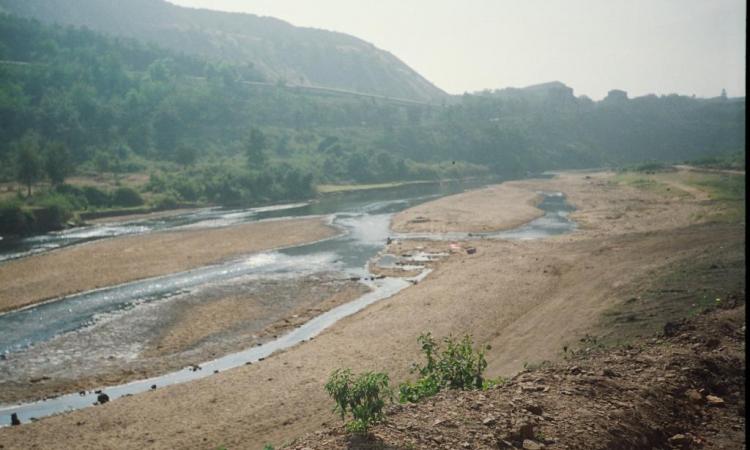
pixel 365 218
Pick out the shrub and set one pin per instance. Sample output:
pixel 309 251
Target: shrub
pixel 457 366
pixel 125 196
pixel 14 218
pixel 52 212
pixel 96 197
pixel 164 201
pixel 363 396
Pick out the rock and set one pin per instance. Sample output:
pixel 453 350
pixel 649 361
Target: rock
pixel 680 440
pixel 714 400
pixel 14 420
pixel 102 398
pixel 153 386
pixel 671 329
pixel 694 396
pixel 528 444
pixel 609 373
pixel 471 250
pixel 489 421
pixel 526 431
pixel 531 387
pixel 534 409
pixel 575 370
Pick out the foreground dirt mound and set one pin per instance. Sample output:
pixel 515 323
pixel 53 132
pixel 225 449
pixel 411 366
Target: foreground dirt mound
pixel 682 389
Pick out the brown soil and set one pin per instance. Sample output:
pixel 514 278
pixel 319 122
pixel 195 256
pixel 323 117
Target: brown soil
pixel 682 390
pixel 495 208
pixel 527 299
pixel 114 261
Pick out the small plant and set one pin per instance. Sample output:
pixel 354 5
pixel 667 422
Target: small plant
pixel 364 397
pixel 456 366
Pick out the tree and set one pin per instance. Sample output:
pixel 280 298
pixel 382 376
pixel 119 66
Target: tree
pixel 57 163
pixel 255 147
pixel 29 162
pixel 186 155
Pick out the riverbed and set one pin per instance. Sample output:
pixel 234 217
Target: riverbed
pixel 92 316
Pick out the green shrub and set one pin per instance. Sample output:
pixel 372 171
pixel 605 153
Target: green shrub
pixel 96 197
pixel 456 366
pixel 14 218
pixel 52 211
pixel 165 201
pixel 363 396
pixel 125 196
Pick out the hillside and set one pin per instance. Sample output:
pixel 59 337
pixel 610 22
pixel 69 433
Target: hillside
pixel 278 51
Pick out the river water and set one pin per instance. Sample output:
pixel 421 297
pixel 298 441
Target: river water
pixel 363 217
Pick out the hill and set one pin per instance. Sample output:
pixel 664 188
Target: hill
pixel 276 50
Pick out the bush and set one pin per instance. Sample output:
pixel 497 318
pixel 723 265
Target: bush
pixel 125 196
pixel 14 218
pixel 96 197
pixel 363 396
pixel 457 366
pixel 52 212
pixel 168 200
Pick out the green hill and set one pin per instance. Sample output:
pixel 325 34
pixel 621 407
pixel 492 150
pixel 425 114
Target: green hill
pixel 274 49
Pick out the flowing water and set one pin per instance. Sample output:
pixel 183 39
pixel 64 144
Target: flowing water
pixel 364 218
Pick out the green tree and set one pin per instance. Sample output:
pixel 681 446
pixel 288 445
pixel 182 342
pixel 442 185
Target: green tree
pixel 29 161
pixel 57 163
pixel 255 148
pixel 186 155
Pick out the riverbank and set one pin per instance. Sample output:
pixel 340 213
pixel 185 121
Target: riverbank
pixel 526 299
pixel 108 262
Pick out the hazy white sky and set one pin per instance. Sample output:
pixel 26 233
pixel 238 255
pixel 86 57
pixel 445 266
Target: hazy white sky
pixel 641 46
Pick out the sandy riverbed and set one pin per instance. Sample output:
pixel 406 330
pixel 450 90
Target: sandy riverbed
pixel 114 261
pixel 524 298
pixel 495 208
pixel 170 334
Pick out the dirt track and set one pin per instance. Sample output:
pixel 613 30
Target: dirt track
pixel 527 299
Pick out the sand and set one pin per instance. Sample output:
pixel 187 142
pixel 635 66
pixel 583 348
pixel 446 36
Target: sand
pixel 108 262
pixel 495 208
pixel 524 298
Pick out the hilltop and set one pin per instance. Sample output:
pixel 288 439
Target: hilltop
pixel 276 50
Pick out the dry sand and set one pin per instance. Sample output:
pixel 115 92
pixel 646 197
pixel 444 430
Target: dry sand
pixel 495 208
pixel 114 261
pixel 525 298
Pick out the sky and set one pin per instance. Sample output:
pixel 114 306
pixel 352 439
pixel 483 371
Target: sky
pixel 689 47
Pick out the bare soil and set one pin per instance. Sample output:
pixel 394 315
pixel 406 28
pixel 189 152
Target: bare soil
pixel 108 262
pixel 682 389
pixel 529 300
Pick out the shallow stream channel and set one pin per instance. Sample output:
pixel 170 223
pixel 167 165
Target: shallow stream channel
pixel 72 336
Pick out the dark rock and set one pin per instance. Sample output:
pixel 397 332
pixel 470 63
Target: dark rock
pixel 471 250
pixel 102 398
pixel 671 329
pixel 534 409
pixel 14 419
pixel 153 386
pixel 216 371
